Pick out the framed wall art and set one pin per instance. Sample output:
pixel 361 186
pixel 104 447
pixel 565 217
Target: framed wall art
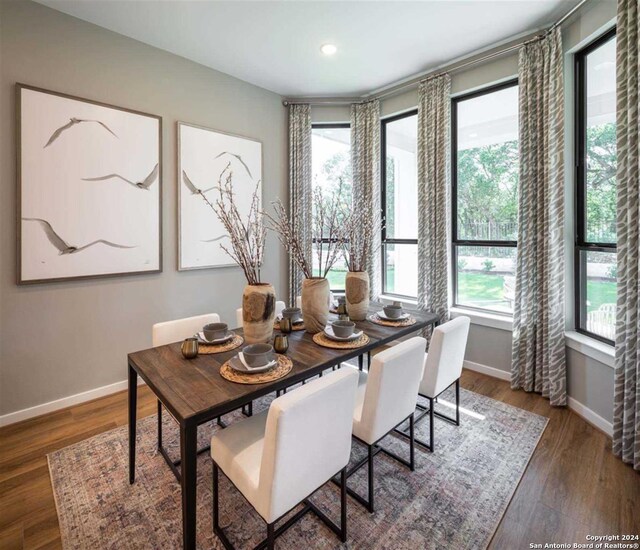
pixel 204 157
pixel 89 188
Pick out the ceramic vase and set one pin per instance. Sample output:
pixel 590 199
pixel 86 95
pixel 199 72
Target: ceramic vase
pixel 315 304
pixel 357 295
pixel 258 313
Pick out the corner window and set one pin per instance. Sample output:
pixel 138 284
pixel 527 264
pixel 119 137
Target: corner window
pixel 596 160
pixel 484 198
pixel 331 170
pixel 400 205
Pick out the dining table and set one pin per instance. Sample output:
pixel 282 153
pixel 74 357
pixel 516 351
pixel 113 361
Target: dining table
pixel 195 393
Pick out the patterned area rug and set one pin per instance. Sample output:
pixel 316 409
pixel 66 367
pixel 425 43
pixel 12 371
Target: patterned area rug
pixel 454 499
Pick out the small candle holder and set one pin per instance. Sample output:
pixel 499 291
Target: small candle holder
pixel 189 348
pixel 286 325
pixel 281 343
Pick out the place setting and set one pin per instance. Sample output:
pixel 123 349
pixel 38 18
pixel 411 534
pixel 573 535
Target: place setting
pixel 392 316
pixel 258 363
pixel 341 334
pixel 217 338
pixel 289 320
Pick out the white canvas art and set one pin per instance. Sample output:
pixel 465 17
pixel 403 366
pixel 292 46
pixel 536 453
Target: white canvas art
pixel 90 188
pixel 203 155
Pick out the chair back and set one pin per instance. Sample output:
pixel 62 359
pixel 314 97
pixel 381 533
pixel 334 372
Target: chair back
pixel 307 440
pixel 174 331
pixel 392 388
pixel 443 364
pixel 280 305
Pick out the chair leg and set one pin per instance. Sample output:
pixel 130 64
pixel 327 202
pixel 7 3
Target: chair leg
pixel 370 507
pixel 159 424
pixel 214 491
pixel 458 402
pixel 271 539
pixel 431 424
pixel 412 442
pixel 343 505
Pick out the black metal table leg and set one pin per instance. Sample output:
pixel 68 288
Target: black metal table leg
pixel 133 402
pixel 188 456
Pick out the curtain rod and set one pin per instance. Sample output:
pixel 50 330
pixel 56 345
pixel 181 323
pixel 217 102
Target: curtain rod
pixel 433 73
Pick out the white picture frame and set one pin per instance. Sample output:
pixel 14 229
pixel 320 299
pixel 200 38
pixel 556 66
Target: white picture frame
pixel 203 155
pixel 89 181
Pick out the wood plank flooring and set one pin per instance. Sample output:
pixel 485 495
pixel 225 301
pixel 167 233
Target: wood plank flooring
pixel 572 487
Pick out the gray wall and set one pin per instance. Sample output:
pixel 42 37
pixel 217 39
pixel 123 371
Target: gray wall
pixel 589 381
pixel 60 339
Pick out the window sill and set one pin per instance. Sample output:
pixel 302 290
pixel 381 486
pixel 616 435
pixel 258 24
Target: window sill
pixel 601 352
pixel 493 320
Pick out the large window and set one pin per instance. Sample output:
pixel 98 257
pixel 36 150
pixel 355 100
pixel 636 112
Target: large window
pixel 400 205
pixel 484 197
pixel 331 169
pixel 595 250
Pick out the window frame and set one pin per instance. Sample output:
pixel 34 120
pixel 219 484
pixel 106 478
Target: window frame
pixel 581 245
pixel 383 202
pixel 330 126
pixel 455 241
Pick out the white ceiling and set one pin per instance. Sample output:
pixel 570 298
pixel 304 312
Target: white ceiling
pixel 276 44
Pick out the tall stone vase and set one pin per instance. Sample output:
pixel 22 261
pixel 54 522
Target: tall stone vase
pixel 315 304
pixel 258 312
pixel 357 294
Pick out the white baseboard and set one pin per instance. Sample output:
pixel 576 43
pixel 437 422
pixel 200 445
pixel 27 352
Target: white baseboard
pixel 51 406
pixel 575 405
pixel 489 371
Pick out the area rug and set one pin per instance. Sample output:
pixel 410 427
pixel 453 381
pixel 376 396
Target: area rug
pixel 454 499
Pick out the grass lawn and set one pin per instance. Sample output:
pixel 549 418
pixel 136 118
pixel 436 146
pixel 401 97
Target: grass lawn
pixel 479 287
pixel 600 292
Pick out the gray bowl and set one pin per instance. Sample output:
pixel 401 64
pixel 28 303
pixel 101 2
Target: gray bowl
pixel 258 355
pixel 393 312
pixel 214 331
pixel 343 329
pixel 293 313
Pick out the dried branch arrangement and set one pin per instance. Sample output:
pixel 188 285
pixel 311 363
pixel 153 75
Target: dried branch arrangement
pixel 247 238
pixel 360 227
pixel 327 232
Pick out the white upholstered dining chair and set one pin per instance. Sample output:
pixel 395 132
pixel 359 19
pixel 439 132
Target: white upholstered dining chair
pixel 277 459
pixel 442 369
pixel 387 397
pixel 169 332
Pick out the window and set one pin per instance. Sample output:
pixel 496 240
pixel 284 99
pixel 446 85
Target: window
pixel 484 197
pixel 595 244
pixel 400 205
pixel 331 169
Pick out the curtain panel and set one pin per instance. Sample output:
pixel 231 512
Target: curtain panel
pixel 299 189
pixel 365 166
pixel 538 350
pixel 626 413
pixel 434 174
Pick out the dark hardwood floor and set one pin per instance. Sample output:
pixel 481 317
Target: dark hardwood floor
pixel 573 485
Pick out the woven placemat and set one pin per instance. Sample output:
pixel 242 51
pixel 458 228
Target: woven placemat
pixel 283 368
pixel 234 343
pixel 323 340
pixel 375 318
pixel 296 326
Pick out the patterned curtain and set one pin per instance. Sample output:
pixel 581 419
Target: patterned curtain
pixel 365 162
pixel 434 122
pixel 626 412
pixel 538 351
pixel 299 188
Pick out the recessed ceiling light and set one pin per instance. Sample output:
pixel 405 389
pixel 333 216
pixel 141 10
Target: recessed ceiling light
pixel 328 49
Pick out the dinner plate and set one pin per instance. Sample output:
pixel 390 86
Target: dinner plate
pixel 203 340
pixel 328 330
pixel 237 363
pixel 402 317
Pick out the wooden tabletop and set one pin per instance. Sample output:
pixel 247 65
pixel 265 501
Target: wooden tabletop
pixel 194 390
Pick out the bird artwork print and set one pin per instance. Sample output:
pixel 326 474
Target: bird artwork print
pixel 144 184
pixel 191 186
pixel 73 122
pixel 62 246
pixel 239 159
